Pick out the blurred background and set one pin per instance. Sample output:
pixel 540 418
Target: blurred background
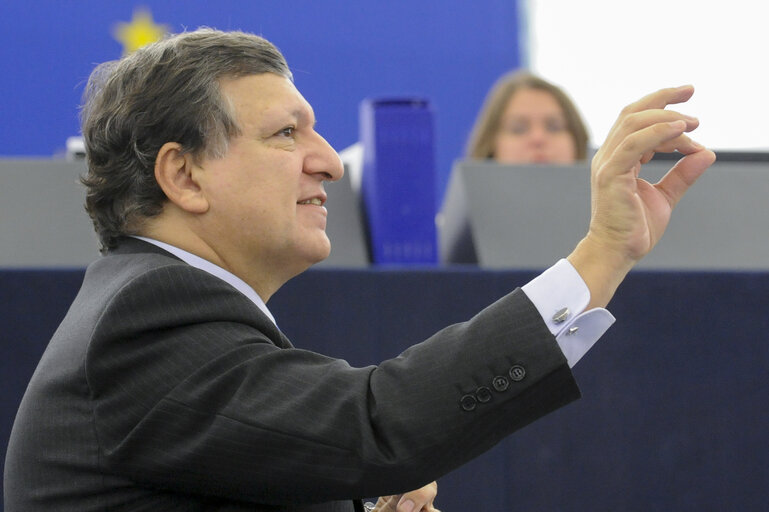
pixel 607 53
pixel 340 53
pixel 602 53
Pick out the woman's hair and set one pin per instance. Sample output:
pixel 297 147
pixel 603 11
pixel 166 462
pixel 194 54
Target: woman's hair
pixel 482 138
pixel 168 91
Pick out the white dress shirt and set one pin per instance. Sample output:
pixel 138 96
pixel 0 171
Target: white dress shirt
pixel 560 295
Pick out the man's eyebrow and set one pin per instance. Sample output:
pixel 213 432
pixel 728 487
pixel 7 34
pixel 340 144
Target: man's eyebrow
pixel 305 114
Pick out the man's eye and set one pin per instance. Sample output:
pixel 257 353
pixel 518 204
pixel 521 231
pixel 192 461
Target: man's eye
pixel 288 131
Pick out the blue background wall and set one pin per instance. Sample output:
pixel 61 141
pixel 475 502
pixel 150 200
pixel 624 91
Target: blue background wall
pixel 340 52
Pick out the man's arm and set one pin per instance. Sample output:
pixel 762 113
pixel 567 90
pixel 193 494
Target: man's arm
pixel 194 395
pixel 628 214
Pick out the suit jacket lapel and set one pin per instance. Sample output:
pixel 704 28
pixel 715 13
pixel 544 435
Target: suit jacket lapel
pixel 130 245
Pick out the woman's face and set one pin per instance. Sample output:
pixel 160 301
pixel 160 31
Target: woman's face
pixel 533 129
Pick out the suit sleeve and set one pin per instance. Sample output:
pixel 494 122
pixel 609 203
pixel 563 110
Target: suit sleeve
pixel 195 391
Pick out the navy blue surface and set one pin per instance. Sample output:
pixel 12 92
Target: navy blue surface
pixel 674 413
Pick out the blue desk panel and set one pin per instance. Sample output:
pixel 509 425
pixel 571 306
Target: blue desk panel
pixel 674 411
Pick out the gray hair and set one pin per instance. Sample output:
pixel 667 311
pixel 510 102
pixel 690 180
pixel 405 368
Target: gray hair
pixel 165 92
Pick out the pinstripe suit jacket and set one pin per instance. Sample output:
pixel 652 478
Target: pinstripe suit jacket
pixel 166 389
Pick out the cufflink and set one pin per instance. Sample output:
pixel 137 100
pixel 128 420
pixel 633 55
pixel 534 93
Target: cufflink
pixel 561 315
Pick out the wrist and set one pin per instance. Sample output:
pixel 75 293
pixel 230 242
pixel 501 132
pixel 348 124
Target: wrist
pixel 602 267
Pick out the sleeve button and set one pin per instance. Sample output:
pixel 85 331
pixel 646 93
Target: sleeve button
pixel 500 383
pixel 483 394
pixel 517 373
pixel 468 403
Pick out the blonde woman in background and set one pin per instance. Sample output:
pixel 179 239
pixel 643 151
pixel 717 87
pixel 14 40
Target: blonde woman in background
pixel 526 119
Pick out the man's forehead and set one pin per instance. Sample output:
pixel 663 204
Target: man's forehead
pixel 266 94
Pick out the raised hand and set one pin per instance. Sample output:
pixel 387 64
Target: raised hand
pixel 629 214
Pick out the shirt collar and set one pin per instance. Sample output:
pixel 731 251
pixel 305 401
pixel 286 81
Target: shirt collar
pixel 215 270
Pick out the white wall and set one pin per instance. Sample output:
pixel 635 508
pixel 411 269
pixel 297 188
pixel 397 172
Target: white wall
pixel 606 54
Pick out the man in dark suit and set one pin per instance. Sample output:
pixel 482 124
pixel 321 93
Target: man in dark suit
pixel 168 385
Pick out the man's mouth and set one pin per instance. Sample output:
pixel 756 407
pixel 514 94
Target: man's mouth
pixel 316 201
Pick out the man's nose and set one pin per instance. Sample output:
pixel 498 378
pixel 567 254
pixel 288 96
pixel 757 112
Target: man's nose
pixel 323 160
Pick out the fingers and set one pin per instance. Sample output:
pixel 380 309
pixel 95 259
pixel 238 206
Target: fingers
pixel 630 123
pixel 645 112
pixel 637 146
pixel 660 99
pixel 420 500
pixel 683 175
pixel 386 503
pixel 640 120
pixel 682 144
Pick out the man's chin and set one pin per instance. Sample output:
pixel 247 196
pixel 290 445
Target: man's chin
pixel 319 253
pixel 309 250
pixel 325 255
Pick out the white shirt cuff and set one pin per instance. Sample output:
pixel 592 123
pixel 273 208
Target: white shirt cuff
pixel 561 296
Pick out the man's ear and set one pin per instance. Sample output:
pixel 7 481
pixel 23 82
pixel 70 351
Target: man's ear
pixel 174 174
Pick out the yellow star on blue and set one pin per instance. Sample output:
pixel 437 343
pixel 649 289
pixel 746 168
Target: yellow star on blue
pixel 140 31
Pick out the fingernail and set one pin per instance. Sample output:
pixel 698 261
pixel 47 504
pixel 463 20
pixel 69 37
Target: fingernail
pixel 406 506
